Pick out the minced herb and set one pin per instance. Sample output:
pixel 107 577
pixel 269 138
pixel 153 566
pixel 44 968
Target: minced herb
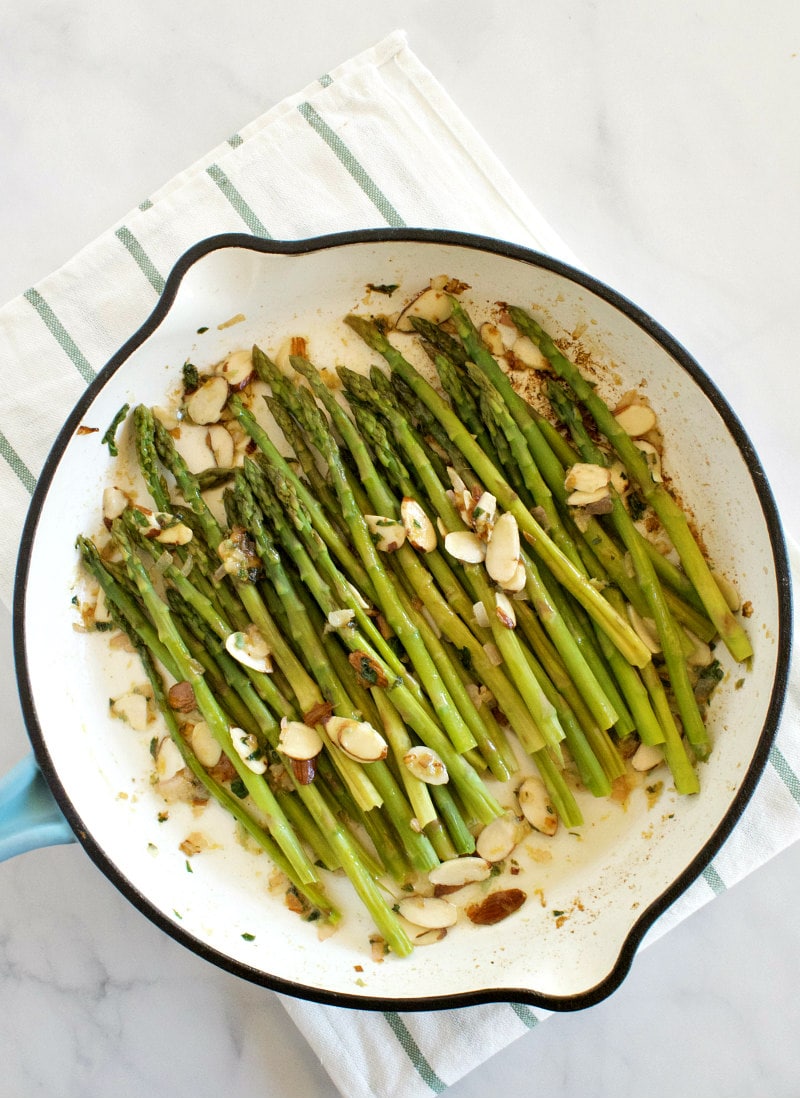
pixel 238 788
pixel 191 378
pixel 383 288
pixel 249 937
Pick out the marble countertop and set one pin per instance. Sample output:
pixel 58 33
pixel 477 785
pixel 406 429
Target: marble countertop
pixel 662 141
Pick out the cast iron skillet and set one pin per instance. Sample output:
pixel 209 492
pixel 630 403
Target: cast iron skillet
pixel 613 882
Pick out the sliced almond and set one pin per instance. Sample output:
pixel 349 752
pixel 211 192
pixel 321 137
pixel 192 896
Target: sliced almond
pixel 249 648
pixel 358 739
pixel 652 457
pixel 456 482
pixel 172 532
pixel 147 521
pixel 499 838
pixel 701 654
pixel 493 654
pixel 587 499
pixel 483 515
pixel 458 872
pixel 492 338
pixel 114 503
pixel 338 619
pixel 248 749
pixel 506 614
pixel 586 477
pixel 645 629
pixel 132 708
pixel 526 353
pixel 389 534
pixel 503 551
pixel 647 757
pixel 536 806
pixel 465 546
pixel 298 740
pixel 169 760
pixel 205 404
pixel 636 419
pixel 481 617
pixel 237 369
pixel 432 304
pixel 517 581
pixel 620 480
pixel 428 911
pixel 220 443
pixel 420 531
pixel 426 765
pixel 205 747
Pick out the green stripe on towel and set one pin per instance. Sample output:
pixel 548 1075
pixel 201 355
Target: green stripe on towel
pixel 412 1050
pixel 525 1014
pixel 17 464
pixel 246 212
pixel 356 170
pixel 61 335
pixel 140 257
pixel 713 880
pixel 785 772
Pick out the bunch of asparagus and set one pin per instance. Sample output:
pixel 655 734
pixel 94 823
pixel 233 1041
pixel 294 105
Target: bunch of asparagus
pixel 439 678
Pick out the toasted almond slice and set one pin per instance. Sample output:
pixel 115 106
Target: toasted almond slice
pixel 585 476
pixel 646 629
pixel 493 338
pixel 299 740
pixel 169 760
pixel 247 748
pixel 526 353
pixel 506 614
pixel 205 404
pixel 389 534
pixel 420 531
pixel 132 708
pixel 460 871
pixel 499 838
pixel 147 521
pixel 220 443
pixel 455 480
pixel 517 581
pixel 701 655
pixel 432 304
pixel 338 619
pixel 503 551
pixel 636 419
pixel 205 747
pixel 428 911
pixel 647 757
pixel 493 654
pixel 114 503
pixel 358 739
pixel 426 765
pixel 619 478
pixel 481 617
pixel 237 369
pixel 537 807
pixel 173 532
pixel 465 546
pixel 586 499
pixel 652 457
pixel 250 649
pixel 483 515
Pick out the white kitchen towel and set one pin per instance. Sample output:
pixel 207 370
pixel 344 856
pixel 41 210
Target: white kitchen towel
pixel 375 142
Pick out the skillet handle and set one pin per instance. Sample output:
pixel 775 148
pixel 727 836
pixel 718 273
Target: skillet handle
pixel 29 817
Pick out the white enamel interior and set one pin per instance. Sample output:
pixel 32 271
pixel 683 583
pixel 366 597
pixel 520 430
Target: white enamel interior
pixel 603 879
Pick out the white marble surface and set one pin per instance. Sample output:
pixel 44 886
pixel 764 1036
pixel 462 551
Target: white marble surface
pixel 662 140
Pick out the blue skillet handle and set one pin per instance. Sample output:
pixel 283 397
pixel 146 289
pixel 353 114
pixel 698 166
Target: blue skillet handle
pixel 29 817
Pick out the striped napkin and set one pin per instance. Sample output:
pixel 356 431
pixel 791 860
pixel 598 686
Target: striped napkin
pixel 357 149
